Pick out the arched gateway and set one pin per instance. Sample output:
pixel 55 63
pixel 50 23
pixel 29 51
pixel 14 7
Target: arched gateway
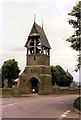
pixel 36 76
pixel 34 84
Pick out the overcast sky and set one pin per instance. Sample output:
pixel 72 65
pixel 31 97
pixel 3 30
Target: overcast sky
pixel 16 20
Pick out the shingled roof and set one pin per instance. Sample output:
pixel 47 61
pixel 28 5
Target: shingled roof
pixel 38 31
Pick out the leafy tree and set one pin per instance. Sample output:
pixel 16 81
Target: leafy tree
pixel 55 75
pixel 0 78
pixel 60 69
pixel 60 76
pixel 76 23
pixel 10 71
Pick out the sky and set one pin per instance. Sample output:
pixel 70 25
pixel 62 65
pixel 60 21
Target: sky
pixel 16 20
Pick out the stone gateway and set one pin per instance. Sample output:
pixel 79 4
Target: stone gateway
pixel 36 76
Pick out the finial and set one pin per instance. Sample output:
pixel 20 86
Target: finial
pixel 42 23
pixel 34 17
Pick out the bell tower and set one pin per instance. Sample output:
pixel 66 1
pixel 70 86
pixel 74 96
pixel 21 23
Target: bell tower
pixel 37 74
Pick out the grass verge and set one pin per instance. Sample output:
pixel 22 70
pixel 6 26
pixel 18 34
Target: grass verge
pixel 11 95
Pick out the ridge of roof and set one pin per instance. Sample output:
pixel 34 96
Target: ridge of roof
pixel 43 37
pixel 36 29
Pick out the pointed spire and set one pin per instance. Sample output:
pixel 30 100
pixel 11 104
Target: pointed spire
pixel 34 17
pixel 42 23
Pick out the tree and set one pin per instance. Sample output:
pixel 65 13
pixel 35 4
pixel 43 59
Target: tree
pixel 55 75
pixel 60 69
pixel 75 38
pixel 0 78
pixel 60 76
pixel 10 71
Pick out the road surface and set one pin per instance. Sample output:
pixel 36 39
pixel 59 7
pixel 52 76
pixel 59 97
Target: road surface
pixel 36 106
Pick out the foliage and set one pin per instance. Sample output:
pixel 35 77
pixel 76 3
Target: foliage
pixel 76 103
pixel 61 70
pixel 76 23
pixel 0 78
pixel 10 71
pixel 60 77
pixel 55 75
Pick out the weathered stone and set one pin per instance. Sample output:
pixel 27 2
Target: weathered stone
pixel 36 76
pixel 73 86
pixel 5 83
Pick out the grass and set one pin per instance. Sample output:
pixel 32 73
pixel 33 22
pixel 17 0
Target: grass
pixel 77 103
pixel 8 95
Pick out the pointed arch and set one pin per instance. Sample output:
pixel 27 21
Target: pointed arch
pixel 34 83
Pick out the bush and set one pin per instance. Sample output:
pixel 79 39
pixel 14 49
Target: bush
pixel 60 76
pixel 77 104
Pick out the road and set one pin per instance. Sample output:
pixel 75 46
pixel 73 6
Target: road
pixel 36 106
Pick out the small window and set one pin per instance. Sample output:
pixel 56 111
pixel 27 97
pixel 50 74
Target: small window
pixel 34 58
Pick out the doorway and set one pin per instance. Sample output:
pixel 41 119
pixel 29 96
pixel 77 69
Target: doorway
pixel 34 85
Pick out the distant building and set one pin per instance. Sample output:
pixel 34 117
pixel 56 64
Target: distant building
pixel 36 76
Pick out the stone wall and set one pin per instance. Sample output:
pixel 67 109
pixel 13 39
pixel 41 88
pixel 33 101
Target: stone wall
pixel 65 90
pixel 10 91
pixel 55 91
pixel 44 80
pixel 38 59
pixel 39 69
